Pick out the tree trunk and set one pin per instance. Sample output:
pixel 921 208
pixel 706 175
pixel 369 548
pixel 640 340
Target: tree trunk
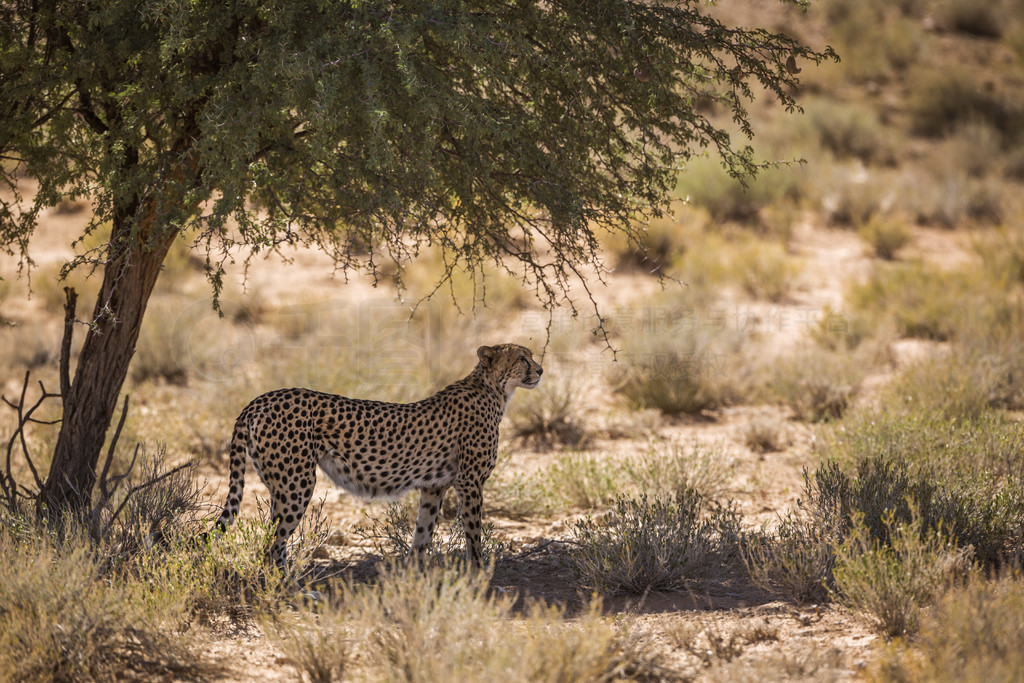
pixel 128 280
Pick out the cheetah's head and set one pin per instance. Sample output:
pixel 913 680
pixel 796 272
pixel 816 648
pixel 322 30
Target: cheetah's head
pixel 510 366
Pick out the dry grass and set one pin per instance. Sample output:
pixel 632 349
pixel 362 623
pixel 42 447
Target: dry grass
pixel 440 625
pixel 973 633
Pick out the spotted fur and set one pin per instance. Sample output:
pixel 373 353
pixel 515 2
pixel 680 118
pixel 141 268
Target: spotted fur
pixel 380 450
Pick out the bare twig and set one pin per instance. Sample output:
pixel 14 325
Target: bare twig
pixel 136 489
pixel 8 484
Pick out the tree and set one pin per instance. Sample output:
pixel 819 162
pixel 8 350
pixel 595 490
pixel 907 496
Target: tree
pixel 511 131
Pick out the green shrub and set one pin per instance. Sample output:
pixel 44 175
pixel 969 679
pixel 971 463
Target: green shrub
pixel 886 236
pixel 894 581
pixel 976 512
pixel 707 185
pixel 928 303
pixel 657 545
pixel 942 99
pixel 974 633
pixel 850 131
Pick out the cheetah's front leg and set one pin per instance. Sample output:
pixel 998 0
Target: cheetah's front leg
pixel 426 519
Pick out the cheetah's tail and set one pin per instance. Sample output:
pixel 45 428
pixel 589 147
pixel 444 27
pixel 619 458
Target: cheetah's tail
pixel 239 449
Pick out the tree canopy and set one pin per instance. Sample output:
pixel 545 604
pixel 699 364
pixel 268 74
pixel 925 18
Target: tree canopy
pixel 489 127
pixel 506 130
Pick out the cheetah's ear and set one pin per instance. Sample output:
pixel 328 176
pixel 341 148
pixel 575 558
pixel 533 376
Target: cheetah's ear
pixel 486 353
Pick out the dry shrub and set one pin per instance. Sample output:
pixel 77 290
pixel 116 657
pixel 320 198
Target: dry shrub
pixel 974 633
pixel 794 560
pixel 440 625
pixel 390 533
pixel 886 236
pixel 656 545
pixel 553 414
pixel 817 383
pixel 893 582
pixel 676 357
pixel 61 619
pixel 765 434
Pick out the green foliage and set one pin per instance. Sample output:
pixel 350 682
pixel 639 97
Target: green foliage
pixel 706 184
pixel 973 633
pixel 662 544
pixel 885 235
pixel 929 303
pixel 370 129
pixel 893 582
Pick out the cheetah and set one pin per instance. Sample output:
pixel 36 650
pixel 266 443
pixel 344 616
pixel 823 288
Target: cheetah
pixel 374 449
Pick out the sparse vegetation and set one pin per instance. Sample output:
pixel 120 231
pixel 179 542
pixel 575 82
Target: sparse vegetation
pixel 973 633
pixel 912 379
pixel 653 545
pixel 895 581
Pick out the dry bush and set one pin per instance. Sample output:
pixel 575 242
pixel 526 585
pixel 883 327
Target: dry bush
pixel 849 130
pixel 886 236
pixel 795 559
pixel 893 582
pixel 973 633
pixel 315 642
pixel 656 545
pixel 676 356
pixel 817 383
pixel 554 413
pixel 764 269
pixel 714 642
pixel 439 625
pixel 942 99
pixel 390 533
pixel 588 481
pixel 875 39
pixel 765 434
pixel 231 574
pixel 669 467
pixel 982 19
pixel 61 619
